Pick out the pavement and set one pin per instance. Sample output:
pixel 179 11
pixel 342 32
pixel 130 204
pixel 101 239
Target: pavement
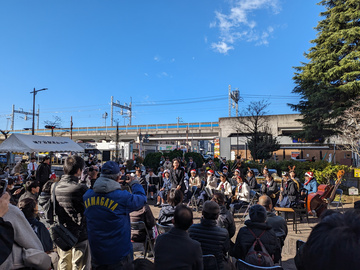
pixel 289 249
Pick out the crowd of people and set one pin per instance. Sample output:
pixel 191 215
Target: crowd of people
pixel 98 203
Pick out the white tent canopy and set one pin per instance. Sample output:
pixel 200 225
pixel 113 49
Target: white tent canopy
pixel 32 143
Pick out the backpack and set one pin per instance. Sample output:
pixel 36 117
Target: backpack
pixel 258 257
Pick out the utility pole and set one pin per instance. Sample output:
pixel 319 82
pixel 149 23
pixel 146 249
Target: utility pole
pixel 33 119
pixel 229 100
pixel 71 127
pixel 105 115
pixel 234 98
pixel 21 111
pixel 122 107
pixel 117 143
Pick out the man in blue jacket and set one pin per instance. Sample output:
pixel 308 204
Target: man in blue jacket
pixel 108 223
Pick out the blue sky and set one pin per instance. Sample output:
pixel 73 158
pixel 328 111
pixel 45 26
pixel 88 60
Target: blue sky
pixel 166 55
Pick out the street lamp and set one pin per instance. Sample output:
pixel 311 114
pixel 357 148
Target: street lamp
pixel 33 116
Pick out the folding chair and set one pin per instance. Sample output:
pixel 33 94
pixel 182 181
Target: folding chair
pixel 242 265
pixel 163 228
pixel 253 196
pixel 210 262
pixel 340 193
pixel 140 225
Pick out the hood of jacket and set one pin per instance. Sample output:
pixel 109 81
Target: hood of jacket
pixel 105 185
pixel 258 225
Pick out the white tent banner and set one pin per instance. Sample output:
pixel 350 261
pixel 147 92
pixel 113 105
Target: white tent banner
pixel 33 143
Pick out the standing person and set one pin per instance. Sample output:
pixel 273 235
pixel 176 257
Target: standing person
pixel 167 164
pixel 69 207
pixel 43 172
pixel 191 165
pixel 175 249
pixel 108 221
pixel 177 176
pixel 32 166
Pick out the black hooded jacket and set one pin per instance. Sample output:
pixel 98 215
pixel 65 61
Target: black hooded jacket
pixel 245 240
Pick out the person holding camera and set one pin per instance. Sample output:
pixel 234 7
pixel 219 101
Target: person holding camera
pixel 108 221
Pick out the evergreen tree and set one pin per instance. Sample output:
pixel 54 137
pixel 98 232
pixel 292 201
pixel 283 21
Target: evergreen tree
pixel 330 80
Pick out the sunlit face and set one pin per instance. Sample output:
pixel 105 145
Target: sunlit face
pixel 239 180
pixel 223 179
pixel 236 173
pixel 167 175
pixel 193 174
pixel 176 164
pixel 268 179
pixel 292 174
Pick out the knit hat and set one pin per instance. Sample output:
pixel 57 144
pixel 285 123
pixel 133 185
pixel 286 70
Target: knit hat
pixel 193 171
pixel 210 171
pixel 257 213
pixel 309 174
pixel 211 207
pixel 110 167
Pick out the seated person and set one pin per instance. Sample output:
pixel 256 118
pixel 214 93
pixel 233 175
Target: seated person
pixel 310 183
pixel 152 181
pixel 175 249
pixel 278 223
pixel 165 188
pixel 32 190
pixel 288 191
pixel 141 179
pixel 213 239
pixel 270 188
pixel 251 180
pixel 224 186
pixel 211 184
pixel 233 180
pixel 175 197
pixel 30 210
pixel 225 219
pixel 145 215
pixel 241 195
pixel 332 244
pixel 256 225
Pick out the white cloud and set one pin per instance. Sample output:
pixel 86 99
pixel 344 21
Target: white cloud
pixel 147 75
pixel 221 47
pixel 237 24
pixel 157 58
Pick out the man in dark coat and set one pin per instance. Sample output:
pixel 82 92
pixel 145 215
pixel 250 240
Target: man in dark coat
pixel 43 171
pixel 175 249
pixel 69 207
pixel 213 239
pixel 190 166
pixel 278 223
pixel 257 225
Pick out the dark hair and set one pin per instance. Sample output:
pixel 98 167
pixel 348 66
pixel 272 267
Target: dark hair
pixel 212 216
pixel 219 198
pixel 223 176
pixel 31 184
pixel 10 181
pixel 73 164
pixel 27 206
pixel 45 158
pixel 175 196
pixel 176 159
pixel 183 217
pixel 333 243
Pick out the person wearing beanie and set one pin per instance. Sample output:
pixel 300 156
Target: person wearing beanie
pixel 256 225
pixel 213 239
pixel 107 209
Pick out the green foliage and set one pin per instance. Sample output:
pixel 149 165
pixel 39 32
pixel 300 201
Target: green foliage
pixel 330 81
pixel 198 158
pixel 152 160
pixel 325 175
pixel 139 160
pixel 261 146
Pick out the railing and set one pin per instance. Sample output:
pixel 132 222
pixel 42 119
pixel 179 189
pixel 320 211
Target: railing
pixel 137 128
